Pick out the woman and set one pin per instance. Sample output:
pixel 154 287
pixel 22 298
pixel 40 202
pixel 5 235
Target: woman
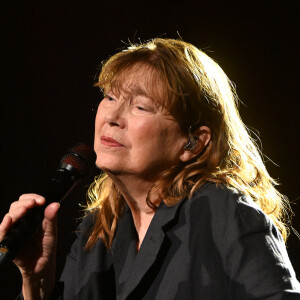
pixel 184 209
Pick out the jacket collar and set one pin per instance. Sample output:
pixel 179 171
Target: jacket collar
pixel 130 265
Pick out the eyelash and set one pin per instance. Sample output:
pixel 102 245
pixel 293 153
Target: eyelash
pixel 109 98
pixel 141 108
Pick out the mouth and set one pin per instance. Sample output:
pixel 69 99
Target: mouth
pixel 107 141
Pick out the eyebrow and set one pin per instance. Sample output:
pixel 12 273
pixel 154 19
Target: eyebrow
pixel 132 92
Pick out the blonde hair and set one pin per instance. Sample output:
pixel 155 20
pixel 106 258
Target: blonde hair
pixel 197 93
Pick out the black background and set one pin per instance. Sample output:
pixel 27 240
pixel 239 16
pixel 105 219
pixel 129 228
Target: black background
pixel 50 55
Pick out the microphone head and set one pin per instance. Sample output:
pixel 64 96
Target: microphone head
pixel 81 157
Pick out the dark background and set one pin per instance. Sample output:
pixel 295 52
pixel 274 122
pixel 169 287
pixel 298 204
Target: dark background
pixel 50 54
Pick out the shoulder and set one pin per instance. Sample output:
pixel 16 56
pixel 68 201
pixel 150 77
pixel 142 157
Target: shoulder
pixel 226 212
pixel 250 247
pixel 84 229
pixel 88 221
pixel 79 253
pixel 223 202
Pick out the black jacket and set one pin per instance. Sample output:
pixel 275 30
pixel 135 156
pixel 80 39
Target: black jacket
pixel 216 245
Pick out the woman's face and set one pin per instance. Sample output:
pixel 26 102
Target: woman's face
pixel 134 135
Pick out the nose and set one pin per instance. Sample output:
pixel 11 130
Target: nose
pixel 115 115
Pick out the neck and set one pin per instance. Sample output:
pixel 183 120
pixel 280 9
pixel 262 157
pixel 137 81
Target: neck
pixel 135 191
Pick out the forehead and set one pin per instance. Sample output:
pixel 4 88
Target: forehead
pixel 138 80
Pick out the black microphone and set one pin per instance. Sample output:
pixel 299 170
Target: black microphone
pixel 73 166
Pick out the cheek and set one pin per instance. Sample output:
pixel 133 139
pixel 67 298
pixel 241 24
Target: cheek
pixel 99 119
pixel 172 141
pixel 145 134
pixel 155 141
pixel 97 131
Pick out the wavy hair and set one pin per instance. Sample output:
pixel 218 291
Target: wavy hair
pixel 196 92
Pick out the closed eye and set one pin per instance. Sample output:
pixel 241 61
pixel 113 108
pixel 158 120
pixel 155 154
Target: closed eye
pixel 109 98
pixel 141 108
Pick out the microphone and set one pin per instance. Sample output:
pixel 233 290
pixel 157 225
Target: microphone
pixel 73 166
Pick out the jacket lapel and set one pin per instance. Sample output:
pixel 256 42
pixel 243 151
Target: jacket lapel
pixel 124 249
pixel 136 266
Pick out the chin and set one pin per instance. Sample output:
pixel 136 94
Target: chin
pixel 109 166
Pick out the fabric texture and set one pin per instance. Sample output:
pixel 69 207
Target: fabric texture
pixel 216 245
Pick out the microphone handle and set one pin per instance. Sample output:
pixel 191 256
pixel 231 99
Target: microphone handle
pixel 57 188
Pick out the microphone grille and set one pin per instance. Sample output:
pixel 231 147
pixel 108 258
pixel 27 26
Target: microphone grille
pixel 81 156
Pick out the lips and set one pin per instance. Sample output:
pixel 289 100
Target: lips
pixel 107 141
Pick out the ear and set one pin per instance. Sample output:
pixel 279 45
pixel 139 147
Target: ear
pixel 202 137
